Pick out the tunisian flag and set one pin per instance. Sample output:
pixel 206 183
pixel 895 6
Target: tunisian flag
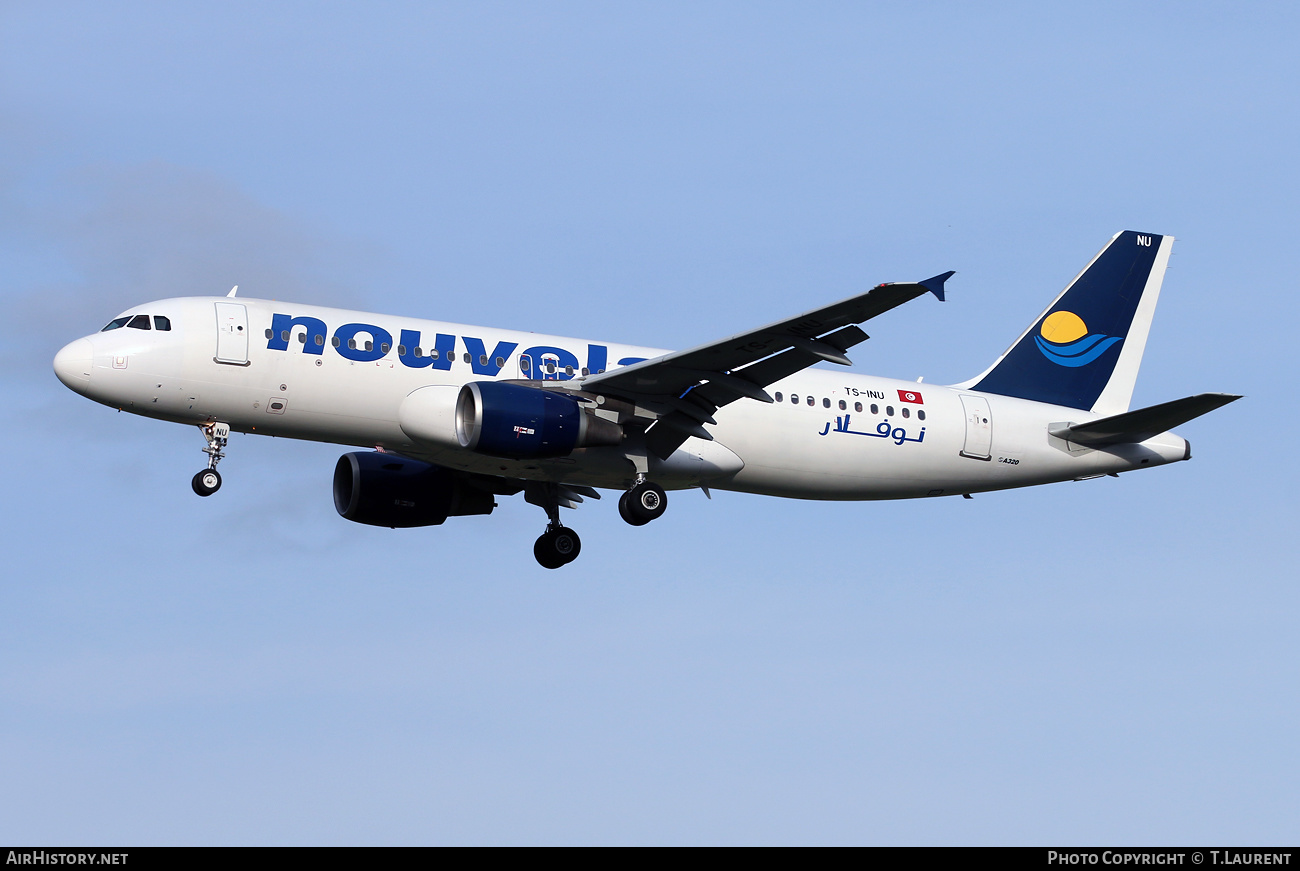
pixel 910 396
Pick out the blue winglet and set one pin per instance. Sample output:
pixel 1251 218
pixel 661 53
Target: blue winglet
pixel 935 285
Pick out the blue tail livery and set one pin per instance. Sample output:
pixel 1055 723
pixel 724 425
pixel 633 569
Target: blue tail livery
pixel 1084 350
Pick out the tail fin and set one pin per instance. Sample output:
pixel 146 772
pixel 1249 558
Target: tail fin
pixel 1085 349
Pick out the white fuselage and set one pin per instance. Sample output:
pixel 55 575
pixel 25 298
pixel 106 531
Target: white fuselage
pixel 951 441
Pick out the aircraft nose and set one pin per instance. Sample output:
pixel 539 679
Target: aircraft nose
pixel 72 364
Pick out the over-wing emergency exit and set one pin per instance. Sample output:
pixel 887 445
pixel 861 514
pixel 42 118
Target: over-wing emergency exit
pixel 454 416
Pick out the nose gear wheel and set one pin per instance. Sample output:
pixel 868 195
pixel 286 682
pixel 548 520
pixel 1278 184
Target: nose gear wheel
pixel 207 482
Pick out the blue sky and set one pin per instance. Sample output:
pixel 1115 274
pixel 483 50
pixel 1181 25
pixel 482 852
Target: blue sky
pixel 1109 662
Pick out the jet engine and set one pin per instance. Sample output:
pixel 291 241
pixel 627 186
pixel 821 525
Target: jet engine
pixel 505 420
pixel 388 490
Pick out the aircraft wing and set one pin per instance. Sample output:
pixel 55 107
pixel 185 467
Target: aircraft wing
pixel 684 388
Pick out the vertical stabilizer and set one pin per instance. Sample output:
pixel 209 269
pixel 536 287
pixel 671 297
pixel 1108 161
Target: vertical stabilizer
pixel 1085 349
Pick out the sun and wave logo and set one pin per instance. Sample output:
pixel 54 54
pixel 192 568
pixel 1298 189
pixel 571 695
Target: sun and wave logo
pixel 1064 339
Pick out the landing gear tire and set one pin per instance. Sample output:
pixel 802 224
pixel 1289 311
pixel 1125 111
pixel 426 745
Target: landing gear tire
pixel 216 434
pixel 643 503
pixel 207 482
pixel 625 511
pixel 557 547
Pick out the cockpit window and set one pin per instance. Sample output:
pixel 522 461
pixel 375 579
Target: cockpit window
pixel 116 323
pixel 162 323
pixel 139 322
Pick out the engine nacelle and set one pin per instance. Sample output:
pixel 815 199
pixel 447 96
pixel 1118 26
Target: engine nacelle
pixel 388 490
pixel 510 420
pixel 504 420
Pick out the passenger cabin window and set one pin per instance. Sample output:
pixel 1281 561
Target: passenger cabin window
pixel 826 403
pixel 875 409
pixel 906 411
pixel 139 322
pixel 162 323
pixel 857 406
pixel 794 398
pixel 920 415
pixel 779 397
pixel 811 401
pixel 843 405
pixel 116 324
pixel 889 411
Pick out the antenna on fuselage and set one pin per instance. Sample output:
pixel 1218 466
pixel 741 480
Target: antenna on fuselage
pixel 233 290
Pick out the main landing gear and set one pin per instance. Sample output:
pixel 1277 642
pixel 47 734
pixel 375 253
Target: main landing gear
pixel 208 481
pixel 558 545
pixel 643 502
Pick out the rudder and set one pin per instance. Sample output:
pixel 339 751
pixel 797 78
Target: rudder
pixel 1085 349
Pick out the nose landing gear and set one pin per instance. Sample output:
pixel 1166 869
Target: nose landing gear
pixel 208 481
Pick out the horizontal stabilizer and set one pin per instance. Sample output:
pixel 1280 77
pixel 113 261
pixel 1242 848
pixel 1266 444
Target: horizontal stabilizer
pixel 1138 426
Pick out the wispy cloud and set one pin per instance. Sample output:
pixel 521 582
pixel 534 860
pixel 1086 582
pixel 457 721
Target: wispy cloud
pixel 107 237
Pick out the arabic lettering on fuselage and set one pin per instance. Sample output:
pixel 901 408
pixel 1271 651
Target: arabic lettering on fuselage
pixel 543 362
pixel 883 431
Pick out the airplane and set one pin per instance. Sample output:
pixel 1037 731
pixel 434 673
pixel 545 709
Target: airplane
pixel 456 416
